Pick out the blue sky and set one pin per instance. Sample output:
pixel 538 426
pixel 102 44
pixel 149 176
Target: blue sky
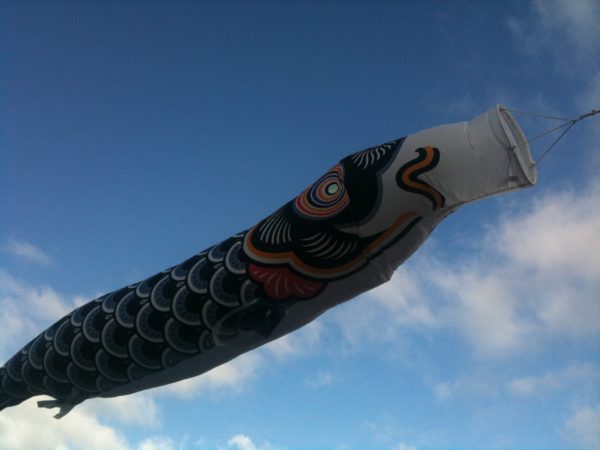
pixel 134 134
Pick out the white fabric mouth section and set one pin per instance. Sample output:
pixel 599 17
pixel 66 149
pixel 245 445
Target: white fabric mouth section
pixel 518 143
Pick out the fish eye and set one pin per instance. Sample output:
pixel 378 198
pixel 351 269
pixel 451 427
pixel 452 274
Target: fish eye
pixel 325 198
pixel 332 188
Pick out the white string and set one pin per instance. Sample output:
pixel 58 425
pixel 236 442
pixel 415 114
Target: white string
pixel 537 115
pixel 551 146
pixel 568 125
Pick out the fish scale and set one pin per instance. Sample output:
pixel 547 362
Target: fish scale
pixel 115 339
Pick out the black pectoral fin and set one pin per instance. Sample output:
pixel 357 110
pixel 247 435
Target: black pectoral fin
pixel 261 320
pixel 65 408
pixel 248 325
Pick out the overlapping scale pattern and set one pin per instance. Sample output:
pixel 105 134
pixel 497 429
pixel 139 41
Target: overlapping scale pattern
pixel 125 335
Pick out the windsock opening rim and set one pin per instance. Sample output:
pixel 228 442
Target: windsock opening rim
pixel 518 143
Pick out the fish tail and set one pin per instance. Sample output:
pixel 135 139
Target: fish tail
pixel 6 398
pixel 6 401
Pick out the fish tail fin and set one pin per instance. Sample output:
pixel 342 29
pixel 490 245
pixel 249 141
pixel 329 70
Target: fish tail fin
pixel 6 401
pixel 7 396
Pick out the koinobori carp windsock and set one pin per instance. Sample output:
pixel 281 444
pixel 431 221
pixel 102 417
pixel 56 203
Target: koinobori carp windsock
pixel 343 235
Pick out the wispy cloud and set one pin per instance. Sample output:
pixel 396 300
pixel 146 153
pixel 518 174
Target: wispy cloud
pixel 43 303
pixel 559 237
pixel 554 380
pixel 28 251
pixel 580 378
pixel 320 379
pixel 384 314
pixel 476 384
pixel 404 446
pixel 28 427
pixel 558 24
pixel 486 310
pixel 26 310
pixel 583 427
pixel 243 442
pixel 541 268
pixel 230 377
pixel 567 31
pixel 135 409
pixel 157 443
pixel 388 432
pixel 301 342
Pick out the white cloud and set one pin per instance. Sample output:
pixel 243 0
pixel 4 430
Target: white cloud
pixel 404 446
pixel 539 281
pixel 25 311
pixel 551 249
pixel 568 31
pixel 241 442
pixel 27 427
pixel 558 24
pixel 388 432
pixel 576 21
pixel 28 251
pixel 157 443
pixel 554 380
pixel 321 379
pixel 402 299
pixel 443 391
pixel 476 384
pixel 231 377
pixel 486 310
pixel 559 237
pixel 43 303
pixel 590 98
pixel 298 343
pixel 526 386
pixel 386 312
pixel 13 326
pixel 135 409
pixel 583 427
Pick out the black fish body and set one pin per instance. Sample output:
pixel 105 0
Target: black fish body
pixel 343 235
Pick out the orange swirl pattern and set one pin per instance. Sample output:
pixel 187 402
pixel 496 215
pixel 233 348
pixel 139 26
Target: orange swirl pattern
pixel 407 176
